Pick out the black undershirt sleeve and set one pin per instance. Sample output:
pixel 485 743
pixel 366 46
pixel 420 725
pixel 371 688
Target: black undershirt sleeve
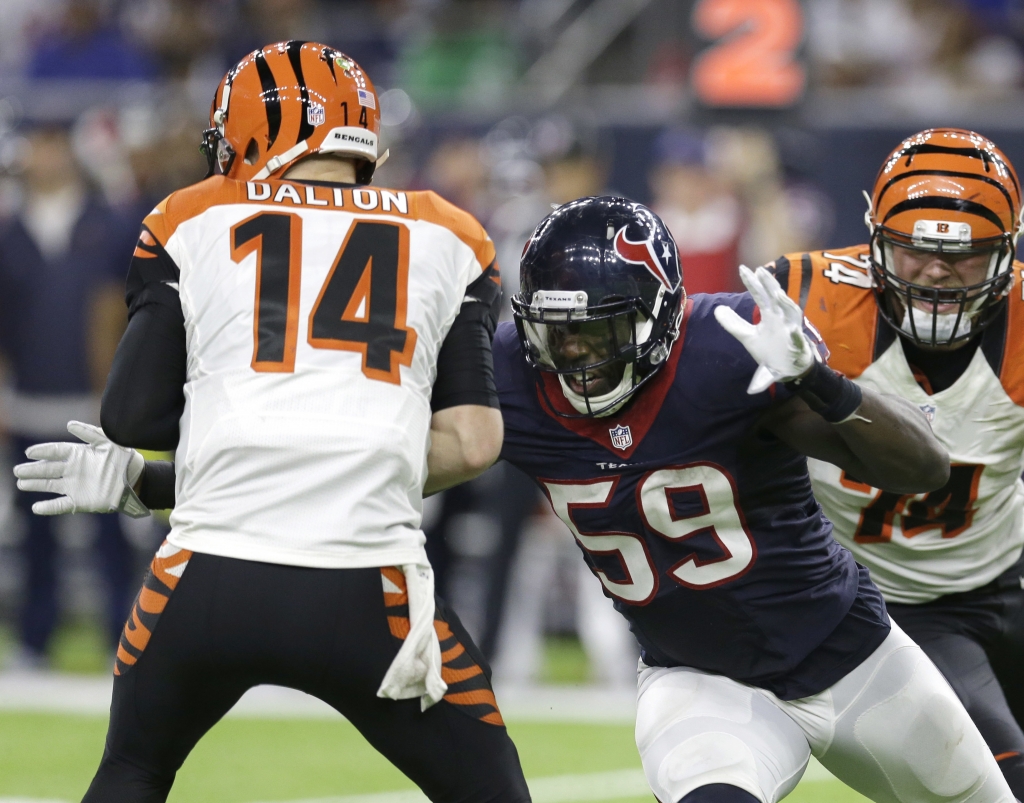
pixel 465 368
pixel 144 396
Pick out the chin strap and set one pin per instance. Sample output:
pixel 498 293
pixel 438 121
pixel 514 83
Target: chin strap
pixel 587 404
pixel 274 163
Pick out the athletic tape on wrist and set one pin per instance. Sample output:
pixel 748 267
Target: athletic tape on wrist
pixel 830 394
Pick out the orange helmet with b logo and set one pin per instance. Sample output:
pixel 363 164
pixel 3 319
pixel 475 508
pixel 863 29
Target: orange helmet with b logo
pixel 954 193
pixel 286 101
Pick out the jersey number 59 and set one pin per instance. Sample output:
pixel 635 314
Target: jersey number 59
pixel 361 306
pixel 720 517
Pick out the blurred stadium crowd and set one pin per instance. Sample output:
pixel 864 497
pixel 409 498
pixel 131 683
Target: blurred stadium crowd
pixel 504 107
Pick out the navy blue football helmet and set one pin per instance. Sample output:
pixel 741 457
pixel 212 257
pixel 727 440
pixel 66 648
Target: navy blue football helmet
pixel 600 301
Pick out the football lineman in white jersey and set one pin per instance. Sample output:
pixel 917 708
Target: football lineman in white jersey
pixel 931 309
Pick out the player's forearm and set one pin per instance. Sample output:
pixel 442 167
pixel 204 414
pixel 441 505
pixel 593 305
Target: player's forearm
pixel 897 448
pixel 896 451
pixel 464 442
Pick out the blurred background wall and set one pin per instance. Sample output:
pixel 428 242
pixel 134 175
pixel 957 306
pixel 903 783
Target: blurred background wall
pixel 750 126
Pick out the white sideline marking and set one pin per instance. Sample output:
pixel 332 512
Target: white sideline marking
pixel 552 789
pixel 84 694
pixel 556 788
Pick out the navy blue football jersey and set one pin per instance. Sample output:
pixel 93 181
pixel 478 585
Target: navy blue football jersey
pixel 700 525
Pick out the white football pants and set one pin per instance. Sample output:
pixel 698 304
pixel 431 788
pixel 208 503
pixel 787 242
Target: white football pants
pixel 892 729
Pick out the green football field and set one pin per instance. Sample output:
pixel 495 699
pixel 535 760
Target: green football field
pixel 51 756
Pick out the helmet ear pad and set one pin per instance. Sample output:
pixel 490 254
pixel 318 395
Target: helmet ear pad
pixel 252 152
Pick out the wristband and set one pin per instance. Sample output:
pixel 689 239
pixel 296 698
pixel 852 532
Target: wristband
pixel 830 394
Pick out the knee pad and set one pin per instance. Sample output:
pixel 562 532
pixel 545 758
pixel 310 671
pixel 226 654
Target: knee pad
pixel 921 735
pixel 695 731
pixel 719 793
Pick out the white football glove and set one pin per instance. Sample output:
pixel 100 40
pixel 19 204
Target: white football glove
pixel 95 476
pixel 778 343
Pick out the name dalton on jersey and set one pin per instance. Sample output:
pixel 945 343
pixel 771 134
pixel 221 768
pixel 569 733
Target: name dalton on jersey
pixel 362 198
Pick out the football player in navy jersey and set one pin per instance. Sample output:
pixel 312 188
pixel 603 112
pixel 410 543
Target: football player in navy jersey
pixel 670 436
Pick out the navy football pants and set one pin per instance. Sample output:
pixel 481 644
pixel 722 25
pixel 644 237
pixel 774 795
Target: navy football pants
pixel 976 639
pixel 193 646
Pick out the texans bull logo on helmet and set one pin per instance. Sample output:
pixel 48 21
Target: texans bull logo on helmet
pixel 643 253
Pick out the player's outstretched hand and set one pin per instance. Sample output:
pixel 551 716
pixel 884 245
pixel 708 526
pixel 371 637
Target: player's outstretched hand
pixel 95 476
pixel 777 342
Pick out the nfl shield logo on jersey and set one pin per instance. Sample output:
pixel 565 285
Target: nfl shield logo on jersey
pixel 929 412
pixel 622 438
pixel 315 114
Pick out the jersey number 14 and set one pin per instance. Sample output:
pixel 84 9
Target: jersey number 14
pixel 361 306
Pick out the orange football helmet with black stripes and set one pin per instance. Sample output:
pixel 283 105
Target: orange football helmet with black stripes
pixel 952 192
pixel 288 100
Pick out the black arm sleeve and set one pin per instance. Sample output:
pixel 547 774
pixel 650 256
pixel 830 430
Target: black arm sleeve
pixel 465 368
pixel 144 397
pixel 157 488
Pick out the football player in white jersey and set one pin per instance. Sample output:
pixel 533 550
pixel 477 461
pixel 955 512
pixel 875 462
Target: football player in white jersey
pixel 317 352
pixel 931 309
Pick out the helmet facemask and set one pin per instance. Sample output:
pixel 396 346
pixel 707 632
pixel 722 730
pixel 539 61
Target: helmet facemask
pixel 940 316
pixel 601 354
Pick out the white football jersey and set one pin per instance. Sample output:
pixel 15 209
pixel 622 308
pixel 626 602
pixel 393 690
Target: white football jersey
pixel 922 546
pixel 313 315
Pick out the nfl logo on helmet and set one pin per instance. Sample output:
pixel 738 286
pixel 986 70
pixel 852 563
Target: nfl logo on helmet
pixel 315 114
pixel 622 438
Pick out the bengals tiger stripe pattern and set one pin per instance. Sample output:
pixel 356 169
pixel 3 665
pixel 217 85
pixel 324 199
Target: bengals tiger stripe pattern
pixel 957 175
pixel 468 685
pixel 165 571
pixel 288 100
